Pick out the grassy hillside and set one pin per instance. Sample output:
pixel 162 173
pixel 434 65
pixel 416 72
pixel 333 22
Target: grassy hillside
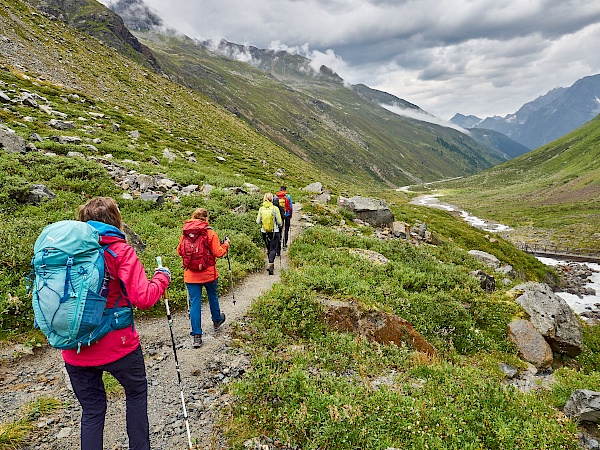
pixel 309 386
pixel 551 194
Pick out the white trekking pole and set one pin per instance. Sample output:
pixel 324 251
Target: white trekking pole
pixel 170 319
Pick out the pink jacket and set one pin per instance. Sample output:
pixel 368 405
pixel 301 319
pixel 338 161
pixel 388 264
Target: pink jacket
pixel 142 294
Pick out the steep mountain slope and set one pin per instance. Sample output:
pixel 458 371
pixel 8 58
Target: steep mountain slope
pixel 180 118
pixel 548 117
pixel 550 194
pixel 314 115
pixel 505 146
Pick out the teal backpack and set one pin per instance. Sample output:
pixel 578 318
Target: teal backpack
pixel 70 286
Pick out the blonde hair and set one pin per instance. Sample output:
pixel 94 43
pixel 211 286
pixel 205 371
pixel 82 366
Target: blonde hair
pixel 268 197
pixel 201 214
pixel 101 209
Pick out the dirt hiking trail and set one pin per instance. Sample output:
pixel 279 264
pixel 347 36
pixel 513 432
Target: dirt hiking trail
pixel 205 371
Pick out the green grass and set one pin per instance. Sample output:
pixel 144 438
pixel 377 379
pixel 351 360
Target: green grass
pixel 313 388
pixel 309 386
pixel 13 434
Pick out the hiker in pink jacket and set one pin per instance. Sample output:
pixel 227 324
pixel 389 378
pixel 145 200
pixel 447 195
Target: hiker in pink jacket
pixel 119 352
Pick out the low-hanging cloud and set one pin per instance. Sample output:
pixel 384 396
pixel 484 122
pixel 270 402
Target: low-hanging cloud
pixel 447 56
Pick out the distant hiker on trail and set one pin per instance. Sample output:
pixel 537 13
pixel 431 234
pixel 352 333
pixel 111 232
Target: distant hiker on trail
pixel 199 247
pixel 278 205
pixel 285 200
pixel 119 352
pixel 270 220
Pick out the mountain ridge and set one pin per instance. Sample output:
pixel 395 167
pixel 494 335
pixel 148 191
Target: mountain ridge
pixel 548 117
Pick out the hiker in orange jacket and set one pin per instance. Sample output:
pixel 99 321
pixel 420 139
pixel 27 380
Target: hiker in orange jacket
pixel 204 273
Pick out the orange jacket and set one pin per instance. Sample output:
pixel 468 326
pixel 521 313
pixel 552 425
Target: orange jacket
pixel 210 273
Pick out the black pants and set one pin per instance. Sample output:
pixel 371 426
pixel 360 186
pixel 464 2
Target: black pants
pixel 89 389
pixel 272 242
pixel 286 229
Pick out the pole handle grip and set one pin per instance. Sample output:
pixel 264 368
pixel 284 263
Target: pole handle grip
pixel 159 261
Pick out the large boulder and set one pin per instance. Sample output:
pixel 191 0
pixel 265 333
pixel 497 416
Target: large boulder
pixel 373 211
pixel 531 344
pixel 552 317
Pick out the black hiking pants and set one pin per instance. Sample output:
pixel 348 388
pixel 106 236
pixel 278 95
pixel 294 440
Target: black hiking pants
pixel 286 229
pixel 272 242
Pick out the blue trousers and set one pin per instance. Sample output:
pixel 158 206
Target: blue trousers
pixel 89 389
pixel 195 292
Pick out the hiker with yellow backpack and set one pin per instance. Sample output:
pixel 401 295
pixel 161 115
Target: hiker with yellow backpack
pixel 270 220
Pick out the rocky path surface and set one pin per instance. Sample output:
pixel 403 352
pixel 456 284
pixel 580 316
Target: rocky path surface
pixel 205 373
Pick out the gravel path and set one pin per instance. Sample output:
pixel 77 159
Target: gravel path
pixel 205 372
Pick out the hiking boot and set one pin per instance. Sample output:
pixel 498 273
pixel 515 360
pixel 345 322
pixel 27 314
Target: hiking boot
pixel 218 323
pixel 197 340
pixel 271 268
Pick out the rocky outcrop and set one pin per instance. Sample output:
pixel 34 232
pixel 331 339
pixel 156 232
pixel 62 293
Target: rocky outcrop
pixel 552 317
pixel 378 326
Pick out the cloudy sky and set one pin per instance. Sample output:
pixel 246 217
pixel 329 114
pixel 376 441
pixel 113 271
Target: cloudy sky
pixel 480 57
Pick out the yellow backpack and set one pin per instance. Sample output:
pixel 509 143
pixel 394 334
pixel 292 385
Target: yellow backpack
pixel 267 217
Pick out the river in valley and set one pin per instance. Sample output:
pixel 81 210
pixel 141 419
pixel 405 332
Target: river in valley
pixel 578 304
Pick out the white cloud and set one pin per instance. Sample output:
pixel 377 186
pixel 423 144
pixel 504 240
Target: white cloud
pixel 479 57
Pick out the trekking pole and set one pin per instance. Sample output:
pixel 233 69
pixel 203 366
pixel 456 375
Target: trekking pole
pixel 230 274
pixel 170 319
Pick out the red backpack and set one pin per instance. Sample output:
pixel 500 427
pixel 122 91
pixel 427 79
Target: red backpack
pixel 282 195
pixel 194 247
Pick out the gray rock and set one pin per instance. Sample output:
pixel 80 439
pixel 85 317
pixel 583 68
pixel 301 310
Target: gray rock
pixel 552 317
pixel 486 258
pixel 583 405
pixel 187 190
pixel 4 98
pixel 508 370
pixel 373 211
pixel 167 153
pixel 70 140
pixel 316 187
pixel 61 125
pixel 532 346
pixel 152 197
pixel 323 198
pixel 28 100
pixel 10 141
pixel 135 134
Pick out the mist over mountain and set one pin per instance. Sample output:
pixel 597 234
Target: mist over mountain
pixel 546 118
